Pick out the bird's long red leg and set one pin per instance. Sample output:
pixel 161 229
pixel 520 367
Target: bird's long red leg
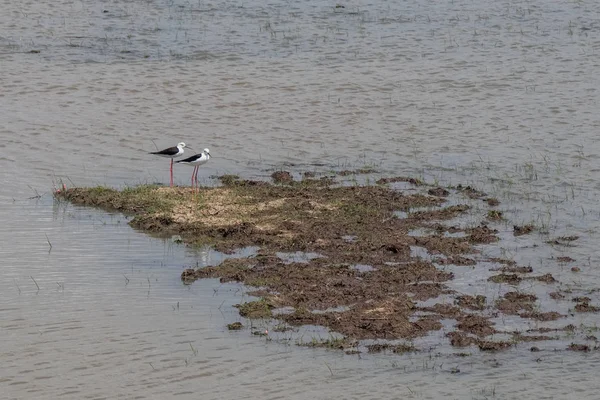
pixel 193 177
pixel 196 175
pixel 171 172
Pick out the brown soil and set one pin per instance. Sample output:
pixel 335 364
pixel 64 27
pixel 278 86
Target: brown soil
pixel 441 214
pixel 461 339
pixel 583 299
pixel 515 269
pixel 539 316
pixel 439 192
pixel 470 192
pixel 475 324
pixel 507 262
pixel 347 172
pixel 282 177
pixel 482 234
pixel 495 215
pixel 486 345
pixel 567 328
pixel 565 259
pixel 546 278
pixel 471 302
pixel 515 303
pixel 556 295
pixel 563 241
pixel 236 326
pixel 532 338
pixel 312 215
pixel 511 279
pixel 586 307
pixel 492 202
pixel 395 348
pixel 455 260
pixel 416 182
pixel 578 347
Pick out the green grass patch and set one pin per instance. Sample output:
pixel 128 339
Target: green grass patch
pixel 255 309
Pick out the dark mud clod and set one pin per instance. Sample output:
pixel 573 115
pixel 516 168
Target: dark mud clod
pixel 585 306
pixel 556 295
pixel 542 316
pixel 546 278
pixel 515 269
pixel 229 180
pixel 470 192
pixel 236 326
pixel 522 230
pixel 395 348
pixel 438 191
pixel 255 309
pixel 416 182
pixel 495 215
pixel 282 177
pixel 492 202
pixel 516 303
pixel 487 345
pixel 565 259
pixel 578 347
pixel 471 302
pixel 511 279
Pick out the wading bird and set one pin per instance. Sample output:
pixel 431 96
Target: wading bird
pixel 196 160
pixel 171 152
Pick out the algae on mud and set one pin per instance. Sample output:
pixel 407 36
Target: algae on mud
pixel 347 226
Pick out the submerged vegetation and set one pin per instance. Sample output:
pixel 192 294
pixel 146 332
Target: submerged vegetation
pixel 379 253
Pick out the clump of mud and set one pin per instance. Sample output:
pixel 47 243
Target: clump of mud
pixel 520 230
pixel 316 216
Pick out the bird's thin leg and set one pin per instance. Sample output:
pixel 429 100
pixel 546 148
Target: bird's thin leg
pixel 197 169
pixel 171 172
pixel 192 180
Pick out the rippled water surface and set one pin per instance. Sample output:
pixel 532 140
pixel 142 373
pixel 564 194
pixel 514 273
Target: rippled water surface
pixel 500 94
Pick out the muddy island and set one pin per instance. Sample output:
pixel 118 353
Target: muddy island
pixel 367 261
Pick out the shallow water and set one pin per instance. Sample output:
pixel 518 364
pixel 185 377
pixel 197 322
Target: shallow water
pixel 501 95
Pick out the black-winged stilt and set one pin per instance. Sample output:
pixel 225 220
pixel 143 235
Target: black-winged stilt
pixel 172 152
pixel 196 160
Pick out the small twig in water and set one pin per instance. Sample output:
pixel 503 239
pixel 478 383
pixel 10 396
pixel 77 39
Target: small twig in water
pixel 329 368
pixel 47 239
pixel 18 288
pixel 152 366
pixel 38 286
pixel 126 279
pixel 37 195
pixel 69 179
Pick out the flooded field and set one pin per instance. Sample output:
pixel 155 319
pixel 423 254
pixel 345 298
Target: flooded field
pixel 499 95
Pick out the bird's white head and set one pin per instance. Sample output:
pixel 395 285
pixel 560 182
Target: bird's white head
pixel 181 145
pixel 206 151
